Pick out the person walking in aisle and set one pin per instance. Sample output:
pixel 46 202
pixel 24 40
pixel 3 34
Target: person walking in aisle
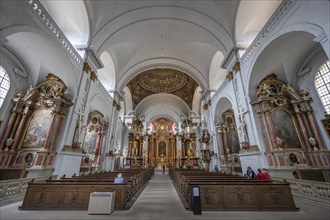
pixel 163 169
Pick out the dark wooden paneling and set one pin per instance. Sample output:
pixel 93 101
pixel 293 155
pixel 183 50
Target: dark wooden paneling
pixel 74 193
pixel 221 192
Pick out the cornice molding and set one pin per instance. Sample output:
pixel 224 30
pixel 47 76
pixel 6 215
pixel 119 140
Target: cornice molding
pixel 321 38
pixel 230 56
pixel 94 59
pixel 272 23
pixel 43 15
pixel 2 40
pixel 103 89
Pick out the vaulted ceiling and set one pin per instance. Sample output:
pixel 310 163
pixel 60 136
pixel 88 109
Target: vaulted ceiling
pixel 135 36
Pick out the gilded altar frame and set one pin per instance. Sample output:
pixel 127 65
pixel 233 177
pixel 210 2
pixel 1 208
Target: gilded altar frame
pixel 302 136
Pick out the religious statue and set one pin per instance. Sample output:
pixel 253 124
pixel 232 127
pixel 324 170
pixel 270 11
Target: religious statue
pixel 205 137
pixel 80 125
pixel 313 143
pixel 280 142
pixel 135 149
pixel 242 127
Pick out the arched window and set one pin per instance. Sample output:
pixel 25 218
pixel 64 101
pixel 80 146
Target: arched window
pixel 4 84
pixel 322 85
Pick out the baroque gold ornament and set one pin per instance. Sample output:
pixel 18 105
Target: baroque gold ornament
pixel 162 80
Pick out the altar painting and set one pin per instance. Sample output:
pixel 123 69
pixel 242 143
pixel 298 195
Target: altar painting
pixel 162 149
pixel 285 131
pixel 90 142
pixel 37 129
pixel 232 141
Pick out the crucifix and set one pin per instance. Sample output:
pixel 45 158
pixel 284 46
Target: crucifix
pixel 242 126
pixel 81 114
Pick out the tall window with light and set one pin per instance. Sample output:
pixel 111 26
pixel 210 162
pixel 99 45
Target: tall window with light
pixel 322 85
pixel 4 84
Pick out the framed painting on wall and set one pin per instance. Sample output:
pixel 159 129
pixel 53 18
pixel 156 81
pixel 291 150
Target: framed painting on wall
pixel 37 129
pixel 285 129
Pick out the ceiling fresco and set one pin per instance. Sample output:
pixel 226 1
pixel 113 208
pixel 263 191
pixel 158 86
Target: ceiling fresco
pixel 162 81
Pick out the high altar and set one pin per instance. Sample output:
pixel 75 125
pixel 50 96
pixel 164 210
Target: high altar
pixel 162 144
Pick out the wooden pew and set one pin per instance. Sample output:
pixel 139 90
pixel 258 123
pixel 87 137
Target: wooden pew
pixel 70 195
pixel 223 192
pixel 73 193
pixel 244 196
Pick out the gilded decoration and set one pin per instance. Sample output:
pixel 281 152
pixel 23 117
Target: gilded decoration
pixel 35 124
pixel 87 68
pixel 229 76
pixel 163 125
pixel 236 67
pixel 93 76
pixel 44 95
pixel 52 88
pixel 274 88
pixel 162 81
pixel 137 126
pixel 205 106
pixel 285 116
pixel 162 143
pixel 280 100
pixel 118 107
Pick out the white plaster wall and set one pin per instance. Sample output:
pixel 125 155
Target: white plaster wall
pixel 67 164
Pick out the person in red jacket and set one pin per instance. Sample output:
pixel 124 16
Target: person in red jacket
pixel 266 174
pixel 260 175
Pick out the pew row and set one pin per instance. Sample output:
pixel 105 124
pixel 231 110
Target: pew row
pixel 74 193
pixel 70 195
pixel 223 192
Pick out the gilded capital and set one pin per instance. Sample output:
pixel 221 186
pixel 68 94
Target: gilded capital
pixel 205 106
pixel 236 67
pixel 229 76
pixel 87 68
pixel 93 76
pixel 304 93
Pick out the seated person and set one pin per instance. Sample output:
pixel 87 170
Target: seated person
pixel 119 178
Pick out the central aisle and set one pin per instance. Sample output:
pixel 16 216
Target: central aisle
pixel 159 200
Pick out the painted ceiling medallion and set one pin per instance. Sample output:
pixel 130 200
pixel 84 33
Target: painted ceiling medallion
pixel 156 81
pixel 162 80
